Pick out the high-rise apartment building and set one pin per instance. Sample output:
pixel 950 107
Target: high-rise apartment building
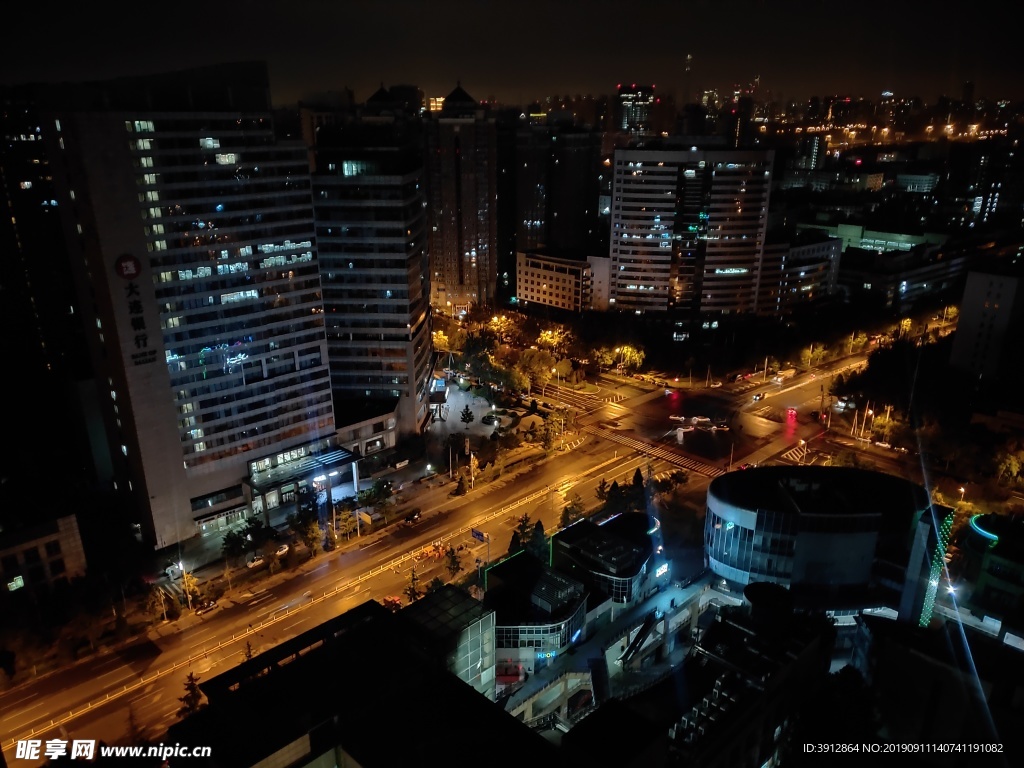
pixel 557 194
pixel 636 104
pixel 371 234
pixel 37 297
pixel 190 230
pixel 688 229
pixel 462 231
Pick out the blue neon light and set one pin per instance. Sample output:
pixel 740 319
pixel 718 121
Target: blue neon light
pixel 981 531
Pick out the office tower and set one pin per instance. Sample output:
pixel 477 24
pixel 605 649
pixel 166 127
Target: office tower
pixel 370 208
pixel 636 104
pixel 687 229
pixel 462 204
pixel 190 231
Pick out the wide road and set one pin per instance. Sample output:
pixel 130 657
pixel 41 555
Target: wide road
pixel 92 700
pixel 615 431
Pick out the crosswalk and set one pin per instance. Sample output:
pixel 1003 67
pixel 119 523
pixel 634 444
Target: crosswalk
pixel 796 453
pixel 657 451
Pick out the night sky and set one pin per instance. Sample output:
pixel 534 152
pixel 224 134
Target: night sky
pixel 519 50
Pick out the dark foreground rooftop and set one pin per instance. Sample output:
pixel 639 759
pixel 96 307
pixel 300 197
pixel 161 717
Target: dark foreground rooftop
pixel 357 686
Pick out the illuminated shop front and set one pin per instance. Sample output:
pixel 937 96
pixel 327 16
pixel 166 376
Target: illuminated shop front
pixel 279 480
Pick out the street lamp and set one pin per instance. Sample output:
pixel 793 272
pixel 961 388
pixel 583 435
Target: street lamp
pixel 962 492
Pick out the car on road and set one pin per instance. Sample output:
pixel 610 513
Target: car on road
pixel 205 607
pixel 282 550
pixel 758 397
pixel 256 561
pixel 412 517
pixel 715 384
pixel 791 413
pixel 489 418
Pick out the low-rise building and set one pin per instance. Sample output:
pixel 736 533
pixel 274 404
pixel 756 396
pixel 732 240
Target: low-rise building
pixel 897 280
pixel 459 628
pixel 552 281
pixel 324 697
pixel 41 554
pixel 540 615
pixel 615 559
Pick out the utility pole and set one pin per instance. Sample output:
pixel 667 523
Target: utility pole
pixel 764 378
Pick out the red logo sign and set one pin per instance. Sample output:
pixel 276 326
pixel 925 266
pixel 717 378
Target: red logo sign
pixel 128 267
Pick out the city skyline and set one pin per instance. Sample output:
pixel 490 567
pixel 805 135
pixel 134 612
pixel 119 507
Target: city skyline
pixel 797 49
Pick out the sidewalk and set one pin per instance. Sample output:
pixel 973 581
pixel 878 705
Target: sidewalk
pixel 434 491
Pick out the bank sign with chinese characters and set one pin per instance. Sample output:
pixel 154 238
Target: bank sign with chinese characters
pixel 129 269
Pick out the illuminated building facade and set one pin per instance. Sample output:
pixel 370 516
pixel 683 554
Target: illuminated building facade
pixel 688 229
pixel 190 230
pixel 636 104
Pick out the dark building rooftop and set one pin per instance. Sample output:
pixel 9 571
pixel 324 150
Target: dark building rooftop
pixel 741 681
pixel 619 547
pixel 339 686
pixel 229 87
pixel 443 614
pixel 821 491
pixel 522 590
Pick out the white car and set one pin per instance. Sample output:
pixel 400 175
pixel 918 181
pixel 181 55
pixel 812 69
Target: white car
pixel 715 384
pixel 282 550
pixel 256 561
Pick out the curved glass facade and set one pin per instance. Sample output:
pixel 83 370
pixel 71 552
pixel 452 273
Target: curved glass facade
pixel 543 637
pixel 750 546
